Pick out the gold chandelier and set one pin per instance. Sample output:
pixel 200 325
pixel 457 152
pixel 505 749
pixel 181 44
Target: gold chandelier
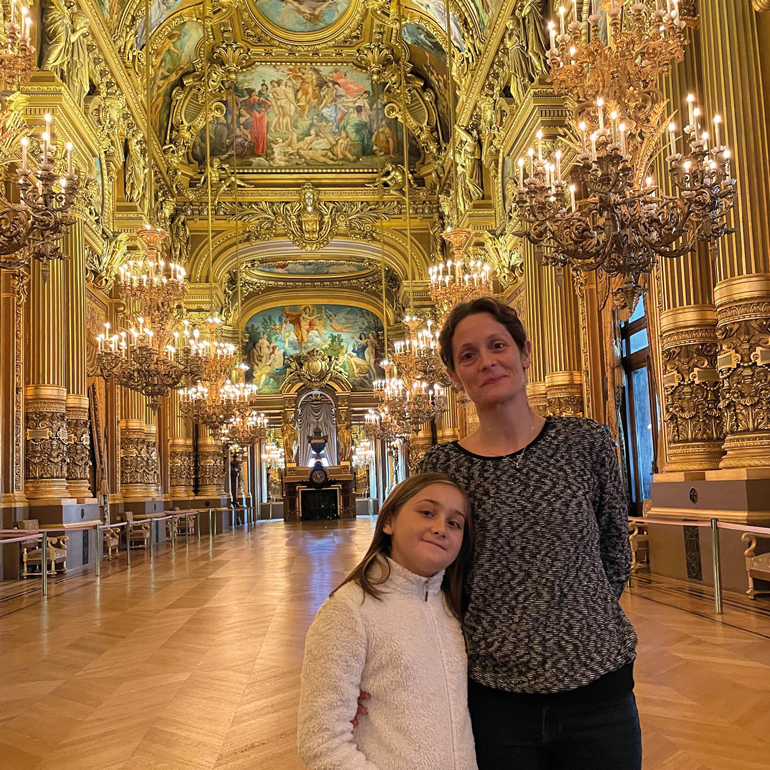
pixel 244 430
pixel 158 350
pixel 616 218
pixel 273 456
pixel 458 280
pixel 17 54
pixel 363 454
pixel 34 227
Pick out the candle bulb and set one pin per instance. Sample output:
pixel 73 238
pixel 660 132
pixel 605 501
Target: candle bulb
pixel 582 127
pixel 572 198
pixel 46 137
pixel 553 39
pixel 600 106
pixel 575 12
pixel 614 119
pixel 531 154
pixel 696 115
pixel 558 165
pixel 705 138
pixel 593 146
pixel 623 148
pixel 717 122
pixel 521 172
pixel 690 105
pixel 672 138
pixel 562 12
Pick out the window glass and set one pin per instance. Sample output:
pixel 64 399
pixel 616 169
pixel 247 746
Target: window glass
pixel 638 313
pixel 643 438
pixel 638 341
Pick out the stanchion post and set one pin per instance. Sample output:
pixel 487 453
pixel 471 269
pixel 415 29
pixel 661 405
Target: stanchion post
pixel 98 550
pixel 44 546
pixel 198 524
pixel 152 537
pixel 173 532
pixel 128 544
pixel 211 530
pixel 717 566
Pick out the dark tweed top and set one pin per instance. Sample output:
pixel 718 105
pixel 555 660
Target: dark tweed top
pixel 551 559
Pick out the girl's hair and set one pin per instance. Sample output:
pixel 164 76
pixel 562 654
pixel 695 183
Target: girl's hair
pixel 381 543
pixel 502 313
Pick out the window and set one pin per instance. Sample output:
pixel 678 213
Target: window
pixel 640 408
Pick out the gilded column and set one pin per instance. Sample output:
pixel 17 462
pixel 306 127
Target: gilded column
pixel 563 381
pixel 448 424
pixel 152 466
pixel 533 276
pixel 211 465
pixel 181 461
pixel 78 422
pixel 46 393
pixel 734 88
pixel 692 420
pixel 133 447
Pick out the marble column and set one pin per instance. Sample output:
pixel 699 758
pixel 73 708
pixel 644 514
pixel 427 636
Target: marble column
pixel 46 393
pixel 133 447
pixel 734 88
pixel 78 419
pixel 561 324
pixel 211 465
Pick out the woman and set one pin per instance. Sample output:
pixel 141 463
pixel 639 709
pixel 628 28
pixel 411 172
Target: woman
pixel 550 652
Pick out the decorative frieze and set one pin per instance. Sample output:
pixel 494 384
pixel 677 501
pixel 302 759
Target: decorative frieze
pixel 46 441
pixel 78 446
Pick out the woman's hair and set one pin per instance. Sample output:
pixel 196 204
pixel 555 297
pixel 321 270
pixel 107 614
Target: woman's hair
pixel 502 313
pixel 381 543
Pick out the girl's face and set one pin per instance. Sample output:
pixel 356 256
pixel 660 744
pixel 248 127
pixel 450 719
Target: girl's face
pixel 488 363
pixel 427 532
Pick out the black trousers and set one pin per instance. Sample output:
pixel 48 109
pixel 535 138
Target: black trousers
pixel 514 733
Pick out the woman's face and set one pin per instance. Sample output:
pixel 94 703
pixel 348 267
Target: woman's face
pixel 488 363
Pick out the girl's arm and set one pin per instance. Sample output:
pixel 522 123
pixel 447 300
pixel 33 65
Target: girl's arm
pixel 612 515
pixel 335 654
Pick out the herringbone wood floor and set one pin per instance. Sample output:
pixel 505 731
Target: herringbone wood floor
pixel 191 662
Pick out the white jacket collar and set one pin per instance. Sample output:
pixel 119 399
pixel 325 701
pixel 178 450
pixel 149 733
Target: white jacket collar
pixel 406 582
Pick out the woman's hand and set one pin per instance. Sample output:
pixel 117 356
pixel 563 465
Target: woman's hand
pixel 361 710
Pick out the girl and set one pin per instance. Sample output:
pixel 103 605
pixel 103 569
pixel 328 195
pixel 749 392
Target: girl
pixel 550 651
pixel 392 629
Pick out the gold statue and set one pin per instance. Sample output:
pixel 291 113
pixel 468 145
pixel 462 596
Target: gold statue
pixel 344 443
pixel 136 170
pixel 289 434
pixel 64 46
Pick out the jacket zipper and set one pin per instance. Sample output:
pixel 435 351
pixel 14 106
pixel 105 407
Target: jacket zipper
pixel 443 666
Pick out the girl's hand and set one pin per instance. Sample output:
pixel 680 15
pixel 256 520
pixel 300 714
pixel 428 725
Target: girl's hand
pixel 361 710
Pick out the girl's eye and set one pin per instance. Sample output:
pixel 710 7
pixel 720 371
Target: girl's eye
pixel 455 524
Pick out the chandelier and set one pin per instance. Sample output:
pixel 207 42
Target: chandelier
pixel 153 355
pixel 244 430
pixel 363 454
pixel 34 227
pixel 456 281
pixel 17 53
pixel 612 216
pixel 381 425
pixel 218 405
pixel 274 457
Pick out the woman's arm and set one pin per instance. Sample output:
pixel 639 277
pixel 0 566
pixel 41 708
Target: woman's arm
pixel 612 515
pixel 335 654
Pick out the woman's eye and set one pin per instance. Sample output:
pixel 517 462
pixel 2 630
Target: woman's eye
pixel 499 345
pixel 427 513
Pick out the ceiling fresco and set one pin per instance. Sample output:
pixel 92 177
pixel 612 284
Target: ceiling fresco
pixel 302 15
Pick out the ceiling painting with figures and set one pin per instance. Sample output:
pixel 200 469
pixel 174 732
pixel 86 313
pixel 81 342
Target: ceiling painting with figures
pixel 302 116
pixel 352 335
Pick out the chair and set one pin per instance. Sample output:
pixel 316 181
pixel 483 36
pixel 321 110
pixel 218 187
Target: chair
pixel 757 565
pixel 640 546
pixel 140 532
pixel 111 542
pixel 32 552
pixel 185 525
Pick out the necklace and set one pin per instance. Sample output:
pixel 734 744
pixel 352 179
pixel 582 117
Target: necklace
pixel 529 436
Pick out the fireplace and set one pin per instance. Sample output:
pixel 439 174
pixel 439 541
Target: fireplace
pixel 319 503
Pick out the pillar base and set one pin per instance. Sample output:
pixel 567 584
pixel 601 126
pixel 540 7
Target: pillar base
pixel 46 442
pixel 78 446
pixel 564 393
pixel 538 397
pixel 740 496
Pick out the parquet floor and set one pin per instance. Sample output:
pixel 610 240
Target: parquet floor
pixel 191 662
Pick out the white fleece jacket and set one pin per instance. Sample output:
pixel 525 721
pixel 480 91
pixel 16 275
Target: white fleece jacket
pixel 407 651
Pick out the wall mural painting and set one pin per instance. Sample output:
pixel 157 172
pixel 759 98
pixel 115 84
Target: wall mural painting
pixel 174 56
pixel 312 267
pixel 350 333
pixel 302 116
pixel 302 15
pixel 437 11
pixel 160 10
pixel 429 59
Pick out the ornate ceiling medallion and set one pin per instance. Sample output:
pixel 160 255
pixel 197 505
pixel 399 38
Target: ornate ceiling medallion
pixel 304 24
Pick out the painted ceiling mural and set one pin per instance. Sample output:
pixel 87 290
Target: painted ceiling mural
pixel 352 334
pixel 302 15
pixel 315 267
pixel 302 116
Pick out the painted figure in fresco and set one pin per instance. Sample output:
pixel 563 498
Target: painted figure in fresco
pixel 257 106
pixel 342 151
pixel 358 130
pixel 284 105
pixel 384 141
pixel 304 322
